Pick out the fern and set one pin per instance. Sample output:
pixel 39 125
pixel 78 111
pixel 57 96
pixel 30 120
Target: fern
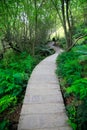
pixel 79 88
pixel 6 101
pixel 4 124
pixel 72 71
pixel 14 73
pixel 18 78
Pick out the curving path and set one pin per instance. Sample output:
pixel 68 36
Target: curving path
pixel 43 107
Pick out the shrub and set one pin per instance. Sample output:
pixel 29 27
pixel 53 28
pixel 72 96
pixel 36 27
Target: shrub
pixel 15 69
pixel 7 101
pixel 4 124
pixel 62 43
pixel 44 50
pixel 79 90
pixel 68 67
pixel 72 71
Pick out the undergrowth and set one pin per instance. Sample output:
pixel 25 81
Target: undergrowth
pixel 72 73
pixel 15 70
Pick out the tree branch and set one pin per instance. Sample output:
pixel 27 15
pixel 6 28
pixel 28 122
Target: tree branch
pixel 57 12
pixel 76 42
pixel 41 4
pixel 14 48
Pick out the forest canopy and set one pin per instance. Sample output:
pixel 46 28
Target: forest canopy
pixel 26 23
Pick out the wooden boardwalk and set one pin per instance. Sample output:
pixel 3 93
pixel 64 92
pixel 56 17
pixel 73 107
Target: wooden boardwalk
pixel 43 107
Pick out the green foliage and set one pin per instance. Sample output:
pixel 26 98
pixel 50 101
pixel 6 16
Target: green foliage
pixel 20 26
pixel 79 88
pixel 14 73
pixel 79 30
pixel 74 126
pixel 68 67
pixel 72 71
pixel 44 50
pixel 4 124
pixel 72 116
pixel 62 43
pixel 7 101
pixel 82 58
pixel 15 70
pixel 80 49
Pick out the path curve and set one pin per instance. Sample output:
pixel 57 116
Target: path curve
pixel 43 107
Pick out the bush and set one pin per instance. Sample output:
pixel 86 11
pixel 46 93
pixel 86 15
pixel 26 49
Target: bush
pixel 15 69
pixel 44 50
pixel 7 101
pixel 79 31
pixel 62 43
pixel 4 124
pixel 79 90
pixel 68 67
pixel 72 71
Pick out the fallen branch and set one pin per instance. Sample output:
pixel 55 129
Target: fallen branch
pixel 14 48
pixel 76 42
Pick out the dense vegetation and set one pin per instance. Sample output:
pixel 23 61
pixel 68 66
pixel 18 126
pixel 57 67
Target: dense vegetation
pixel 72 72
pixel 15 70
pixel 26 26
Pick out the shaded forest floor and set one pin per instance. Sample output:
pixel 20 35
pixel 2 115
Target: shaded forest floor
pixel 13 116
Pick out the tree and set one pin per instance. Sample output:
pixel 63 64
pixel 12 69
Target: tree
pixel 26 23
pixel 63 10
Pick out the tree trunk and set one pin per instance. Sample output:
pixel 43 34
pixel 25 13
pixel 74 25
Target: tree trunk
pixel 69 25
pixel 35 40
pixel 72 21
pixel 85 15
pixel 64 22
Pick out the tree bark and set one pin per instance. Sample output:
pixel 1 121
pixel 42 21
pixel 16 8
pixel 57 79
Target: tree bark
pixel 69 24
pixel 36 15
pixel 64 22
pixel 64 18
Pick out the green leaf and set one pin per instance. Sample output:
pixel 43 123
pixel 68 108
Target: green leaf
pixel 7 101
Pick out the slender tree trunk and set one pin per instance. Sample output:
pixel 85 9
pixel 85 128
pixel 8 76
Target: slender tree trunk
pixel 3 45
pixel 57 11
pixel 36 22
pixel 85 14
pixel 64 22
pixel 35 40
pixel 64 18
pixel 69 25
pixel 72 21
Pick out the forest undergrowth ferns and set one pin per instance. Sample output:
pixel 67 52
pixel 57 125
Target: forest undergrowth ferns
pixel 15 70
pixel 72 72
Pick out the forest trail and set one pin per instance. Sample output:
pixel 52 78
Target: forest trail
pixel 43 107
